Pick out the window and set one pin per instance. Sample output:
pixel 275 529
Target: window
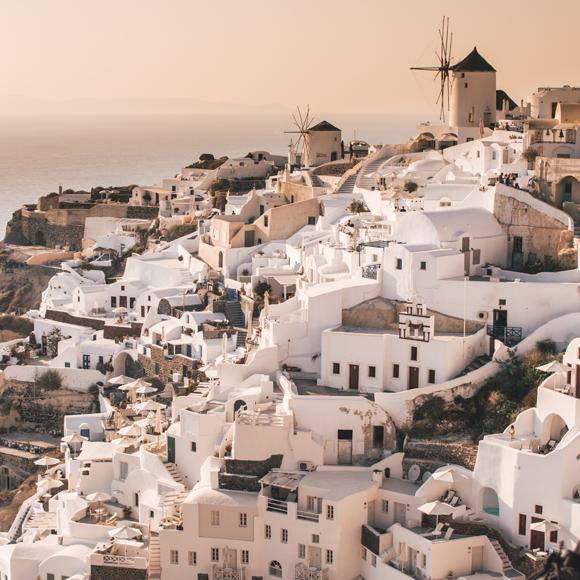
pixel 554 536
pixel 245 556
pixel 476 257
pixel 364 553
pixel 151 514
pixel 399 264
pixel 372 372
pixel 431 379
pixel 315 539
pixel 395 371
pixel 284 535
pixel 48 577
pixel 86 361
pixel 385 506
pixel 466 85
pixel 423 265
pixel 267 531
pixel 374 560
pixel 243 520
pixel 335 368
pixel 215 554
pixel 192 558
pixel 538 509
pixel 329 556
pixel 266 221
pixel 136 499
pixel 522 525
pixel 275 569
pixel 478 154
pixel 173 557
pixel 423 560
pixel 329 512
pixel 414 353
pixel 311 220
pixel 301 551
pixel 502 302
pixel 113 302
pixel 494 155
pixel 215 518
pixel 122 288
pixel 194 446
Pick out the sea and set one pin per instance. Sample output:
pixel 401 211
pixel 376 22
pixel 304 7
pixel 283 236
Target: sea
pixel 39 153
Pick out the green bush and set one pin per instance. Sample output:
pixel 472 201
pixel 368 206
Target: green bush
pixel 50 380
pixel 547 346
pixel 431 410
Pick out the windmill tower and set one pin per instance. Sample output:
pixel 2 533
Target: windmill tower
pixel 442 69
pixel 298 150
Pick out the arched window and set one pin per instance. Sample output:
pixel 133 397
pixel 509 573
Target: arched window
pixel 275 569
pixel 221 260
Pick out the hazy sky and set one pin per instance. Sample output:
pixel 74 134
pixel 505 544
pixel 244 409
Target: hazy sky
pixel 337 55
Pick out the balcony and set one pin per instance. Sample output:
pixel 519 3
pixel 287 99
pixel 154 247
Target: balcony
pixel 118 561
pixel 509 335
pixel 219 573
pixel 304 572
pixel 277 506
pixel 308 516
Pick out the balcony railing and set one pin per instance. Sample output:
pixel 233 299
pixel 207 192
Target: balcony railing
pixel 371 272
pixel 227 573
pixel 308 516
pixel 509 335
pixel 278 506
pixel 304 572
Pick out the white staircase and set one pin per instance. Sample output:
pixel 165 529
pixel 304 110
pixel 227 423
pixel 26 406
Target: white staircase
pixel 154 558
pixel 172 470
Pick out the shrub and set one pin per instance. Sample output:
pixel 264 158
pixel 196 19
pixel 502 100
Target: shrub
pixel 357 206
pixel 262 288
pixel 50 380
pixel 52 340
pixel 411 187
pixel 546 346
pixel 431 410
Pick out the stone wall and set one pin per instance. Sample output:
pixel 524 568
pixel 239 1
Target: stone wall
pixel 61 316
pixel 431 454
pixel 115 572
pixel 166 365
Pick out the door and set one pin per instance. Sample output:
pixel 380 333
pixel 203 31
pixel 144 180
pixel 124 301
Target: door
pixel 315 556
pixel 249 238
pixel 353 372
pixel 476 559
pixel 345 446
pixel 465 246
pixel 378 436
pixel 537 538
pixel 401 513
pixel 413 377
pixel 171 449
pixel 86 361
pixel 230 558
pixel 123 301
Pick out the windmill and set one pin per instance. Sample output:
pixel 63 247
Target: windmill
pixel 443 68
pixel 302 122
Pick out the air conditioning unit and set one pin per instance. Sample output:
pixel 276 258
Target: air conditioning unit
pixel 482 315
pixel 305 466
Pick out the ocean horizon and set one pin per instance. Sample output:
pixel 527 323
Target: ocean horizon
pixel 40 153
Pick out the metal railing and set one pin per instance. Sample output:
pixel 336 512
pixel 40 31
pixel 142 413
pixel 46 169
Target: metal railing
pixel 509 335
pixel 308 516
pixel 278 506
pixel 304 572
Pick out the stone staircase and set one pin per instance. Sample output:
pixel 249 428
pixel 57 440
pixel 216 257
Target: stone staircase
pixel 154 558
pixel 371 167
pixel 172 470
pixel 476 364
pixel 348 185
pixel 501 553
pixel 237 319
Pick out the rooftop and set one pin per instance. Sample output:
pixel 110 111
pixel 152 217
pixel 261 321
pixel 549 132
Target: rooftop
pixel 473 62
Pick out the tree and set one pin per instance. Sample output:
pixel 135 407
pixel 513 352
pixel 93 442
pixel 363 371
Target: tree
pixel 357 206
pixel 262 288
pixel 411 187
pixel 52 340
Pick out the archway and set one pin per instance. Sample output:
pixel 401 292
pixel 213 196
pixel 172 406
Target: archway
pixel 554 428
pixel 489 501
pixel 39 238
pixel 221 260
pixel 568 190
pixel 239 404
pixel 85 431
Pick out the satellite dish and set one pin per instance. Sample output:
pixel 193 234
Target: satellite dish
pixel 426 476
pixel 414 472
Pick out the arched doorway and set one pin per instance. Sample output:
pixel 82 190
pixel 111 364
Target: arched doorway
pixel 568 190
pixel 554 429
pixel 275 569
pixel 221 260
pixel 489 501
pixel 239 404
pixel 39 238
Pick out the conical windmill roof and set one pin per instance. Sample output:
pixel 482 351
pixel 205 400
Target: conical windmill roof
pixel 473 62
